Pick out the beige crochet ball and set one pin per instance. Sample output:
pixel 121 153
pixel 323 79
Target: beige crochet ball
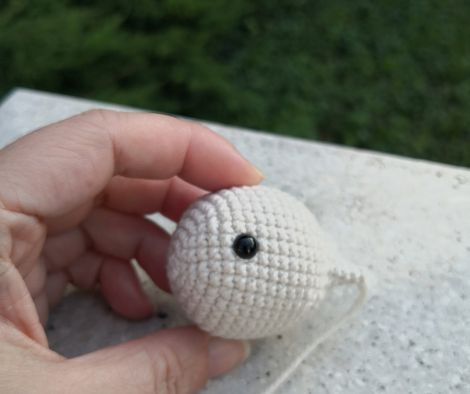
pixel 248 262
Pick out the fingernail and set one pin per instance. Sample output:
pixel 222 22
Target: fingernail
pixel 255 175
pixel 226 354
pixel 258 172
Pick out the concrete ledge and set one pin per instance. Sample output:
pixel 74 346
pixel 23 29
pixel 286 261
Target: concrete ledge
pixel 404 220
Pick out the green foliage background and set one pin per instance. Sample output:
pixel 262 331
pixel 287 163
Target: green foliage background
pixel 390 75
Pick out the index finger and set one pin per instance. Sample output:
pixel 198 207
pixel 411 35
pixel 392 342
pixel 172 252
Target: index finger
pixel 62 166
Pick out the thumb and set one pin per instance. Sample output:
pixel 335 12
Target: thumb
pixel 176 361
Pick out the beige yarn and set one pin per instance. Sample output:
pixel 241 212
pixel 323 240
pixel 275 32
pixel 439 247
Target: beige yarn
pixel 233 297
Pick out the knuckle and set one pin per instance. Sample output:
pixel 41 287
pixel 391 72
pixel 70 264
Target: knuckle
pixel 99 119
pixel 5 267
pixel 169 374
pixel 99 115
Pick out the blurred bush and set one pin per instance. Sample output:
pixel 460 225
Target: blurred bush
pixel 389 75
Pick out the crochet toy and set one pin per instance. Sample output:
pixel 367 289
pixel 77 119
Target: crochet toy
pixel 251 262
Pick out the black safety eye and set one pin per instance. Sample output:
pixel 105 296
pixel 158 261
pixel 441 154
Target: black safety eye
pixel 245 246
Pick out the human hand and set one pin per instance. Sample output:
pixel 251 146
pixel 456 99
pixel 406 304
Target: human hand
pixel 72 200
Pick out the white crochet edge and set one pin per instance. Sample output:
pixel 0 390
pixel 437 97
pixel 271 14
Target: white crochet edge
pixel 341 279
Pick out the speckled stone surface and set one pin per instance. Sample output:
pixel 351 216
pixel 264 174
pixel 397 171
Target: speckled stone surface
pixel 406 222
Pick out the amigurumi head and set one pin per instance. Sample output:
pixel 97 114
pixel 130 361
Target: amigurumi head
pixel 248 262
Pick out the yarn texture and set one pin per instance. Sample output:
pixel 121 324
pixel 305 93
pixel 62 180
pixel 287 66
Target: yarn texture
pixel 245 298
